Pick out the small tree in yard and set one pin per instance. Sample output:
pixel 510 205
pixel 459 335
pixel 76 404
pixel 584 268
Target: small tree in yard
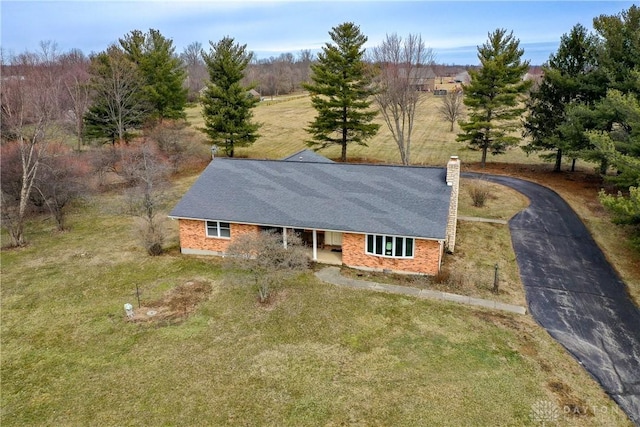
pixel 143 167
pixel 452 108
pixel 266 259
pixel 61 179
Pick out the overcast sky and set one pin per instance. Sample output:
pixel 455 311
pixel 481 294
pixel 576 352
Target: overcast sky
pixel 453 29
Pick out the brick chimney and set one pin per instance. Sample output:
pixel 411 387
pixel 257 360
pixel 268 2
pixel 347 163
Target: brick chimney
pixel 453 181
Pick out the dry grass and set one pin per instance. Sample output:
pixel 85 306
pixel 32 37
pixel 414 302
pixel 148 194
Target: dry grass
pixel 283 133
pixel 502 202
pixel 70 357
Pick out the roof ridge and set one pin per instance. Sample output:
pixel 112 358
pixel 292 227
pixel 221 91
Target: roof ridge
pixel 280 161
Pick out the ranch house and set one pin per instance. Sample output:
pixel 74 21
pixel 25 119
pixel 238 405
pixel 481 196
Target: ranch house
pixel 373 217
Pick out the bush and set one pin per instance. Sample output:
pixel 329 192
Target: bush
pixel 264 257
pixel 479 192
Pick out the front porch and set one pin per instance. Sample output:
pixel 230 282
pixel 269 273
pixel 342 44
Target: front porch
pixel 326 256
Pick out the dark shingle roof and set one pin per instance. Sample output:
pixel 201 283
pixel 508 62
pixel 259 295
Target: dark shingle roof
pixel 381 199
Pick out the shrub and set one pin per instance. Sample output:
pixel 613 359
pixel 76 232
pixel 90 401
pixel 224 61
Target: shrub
pixel 479 192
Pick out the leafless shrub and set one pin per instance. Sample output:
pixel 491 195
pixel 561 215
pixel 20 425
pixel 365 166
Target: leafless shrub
pixel 178 145
pixel 151 235
pixel 442 277
pixel 264 257
pixel 143 167
pixel 480 192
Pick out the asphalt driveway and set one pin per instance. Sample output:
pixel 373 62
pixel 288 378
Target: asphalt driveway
pixel 574 293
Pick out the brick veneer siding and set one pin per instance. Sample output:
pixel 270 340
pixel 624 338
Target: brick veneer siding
pixel 193 236
pixel 426 257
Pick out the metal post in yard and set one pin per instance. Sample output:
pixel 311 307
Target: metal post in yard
pixel 495 280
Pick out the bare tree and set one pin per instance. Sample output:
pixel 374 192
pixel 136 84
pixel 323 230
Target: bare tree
pixel 402 67
pixel 116 89
pixel 143 166
pixel 267 259
pixel 76 84
pixel 452 108
pixel 60 180
pixel 29 104
pixel 177 142
pixel 196 70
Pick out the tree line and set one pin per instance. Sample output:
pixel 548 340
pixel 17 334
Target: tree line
pixel 585 106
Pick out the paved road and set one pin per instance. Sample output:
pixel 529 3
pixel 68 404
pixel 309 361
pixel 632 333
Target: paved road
pixel 574 293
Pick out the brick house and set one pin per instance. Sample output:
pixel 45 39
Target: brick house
pixel 371 217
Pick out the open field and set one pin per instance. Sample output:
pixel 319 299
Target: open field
pixel 282 133
pixel 69 357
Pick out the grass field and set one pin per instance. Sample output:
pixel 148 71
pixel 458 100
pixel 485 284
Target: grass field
pixel 319 355
pixel 282 133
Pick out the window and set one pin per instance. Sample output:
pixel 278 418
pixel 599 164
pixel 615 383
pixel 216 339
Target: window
pixel 390 246
pixel 218 229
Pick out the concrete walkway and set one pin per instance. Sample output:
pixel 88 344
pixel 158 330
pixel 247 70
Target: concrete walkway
pixel 478 219
pixel 332 275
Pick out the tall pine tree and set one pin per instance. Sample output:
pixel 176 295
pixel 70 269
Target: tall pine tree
pixel 570 76
pixel 161 71
pixel 226 102
pixel 494 95
pixel 341 92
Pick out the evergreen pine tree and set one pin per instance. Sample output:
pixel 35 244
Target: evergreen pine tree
pixel 494 95
pixel 226 102
pixel 570 76
pixel 161 71
pixel 341 92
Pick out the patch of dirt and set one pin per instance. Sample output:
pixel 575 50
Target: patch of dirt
pixel 570 404
pixel 175 305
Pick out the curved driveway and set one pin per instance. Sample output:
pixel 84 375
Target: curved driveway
pixel 574 293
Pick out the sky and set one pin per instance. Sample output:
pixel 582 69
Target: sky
pixel 453 29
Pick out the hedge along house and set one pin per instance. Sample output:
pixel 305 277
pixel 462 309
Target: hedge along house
pixel 373 217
